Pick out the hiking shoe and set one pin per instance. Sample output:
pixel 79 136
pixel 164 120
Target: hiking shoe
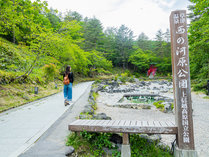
pixel 66 102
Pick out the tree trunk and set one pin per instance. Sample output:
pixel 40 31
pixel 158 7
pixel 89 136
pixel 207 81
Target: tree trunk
pixel 13 27
pixel 27 73
pixel 14 34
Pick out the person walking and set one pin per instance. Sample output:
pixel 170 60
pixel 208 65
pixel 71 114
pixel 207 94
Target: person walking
pixel 68 83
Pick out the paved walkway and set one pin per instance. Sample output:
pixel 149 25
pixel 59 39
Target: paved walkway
pixel 21 127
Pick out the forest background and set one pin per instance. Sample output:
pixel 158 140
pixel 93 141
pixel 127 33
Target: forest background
pixel 36 44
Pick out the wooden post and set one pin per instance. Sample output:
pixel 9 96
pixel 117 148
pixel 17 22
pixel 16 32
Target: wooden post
pixel 125 138
pixel 181 80
pixel 125 150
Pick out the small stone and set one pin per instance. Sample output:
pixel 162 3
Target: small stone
pixel 155 138
pixel 69 150
pixel 101 116
pixel 163 146
pixel 88 109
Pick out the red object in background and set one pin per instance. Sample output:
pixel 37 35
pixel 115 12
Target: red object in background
pixel 152 70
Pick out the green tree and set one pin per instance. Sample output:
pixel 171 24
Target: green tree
pixel 22 19
pixel 110 43
pixel 199 40
pixel 98 63
pixel 159 43
pixel 73 15
pixel 142 60
pixel 54 18
pixel 93 34
pixel 143 41
pixel 124 45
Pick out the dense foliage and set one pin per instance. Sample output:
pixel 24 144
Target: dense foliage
pixel 94 144
pixel 45 42
pixel 199 43
pixel 43 37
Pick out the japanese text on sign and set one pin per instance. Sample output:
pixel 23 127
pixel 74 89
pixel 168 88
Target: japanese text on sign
pixel 182 73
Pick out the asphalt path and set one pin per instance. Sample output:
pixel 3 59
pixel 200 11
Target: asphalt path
pixel 23 128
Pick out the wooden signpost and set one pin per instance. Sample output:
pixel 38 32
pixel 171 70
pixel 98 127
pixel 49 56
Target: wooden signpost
pixel 181 80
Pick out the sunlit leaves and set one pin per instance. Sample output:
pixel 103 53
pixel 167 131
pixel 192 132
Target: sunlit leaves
pixel 199 40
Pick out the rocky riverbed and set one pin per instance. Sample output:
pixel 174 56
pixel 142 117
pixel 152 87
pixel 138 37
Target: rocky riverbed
pixel 111 92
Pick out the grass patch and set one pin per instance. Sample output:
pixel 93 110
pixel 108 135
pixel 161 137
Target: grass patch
pixel 95 95
pixel 14 95
pixel 92 144
pixel 206 97
pixel 159 105
pixel 141 147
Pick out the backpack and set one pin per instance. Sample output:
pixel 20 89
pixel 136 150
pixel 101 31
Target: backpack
pixel 66 80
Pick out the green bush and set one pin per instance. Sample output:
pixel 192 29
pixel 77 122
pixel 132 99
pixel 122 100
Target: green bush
pixel 124 77
pixel 97 81
pixel 159 105
pixel 116 78
pixel 93 144
pixel 143 147
pixel 131 79
pixel 200 85
pixel 50 71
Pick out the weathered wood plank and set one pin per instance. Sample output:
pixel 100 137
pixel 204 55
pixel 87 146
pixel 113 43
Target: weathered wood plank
pixel 86 122
pixel 169 123
pixel 111 123
pixel 157 124
pixel 127 123
pixel 139 123
pixel 119 127
pixel 116 122
pixel 76 122
pixel 106 122
pixel 122 123
pixel 144 123
pixel 150 123
pixel 163 124
pixel 99 122
pixel 92 122
pixel 133 123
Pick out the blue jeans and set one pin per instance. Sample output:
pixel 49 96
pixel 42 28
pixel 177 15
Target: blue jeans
pixel 68 92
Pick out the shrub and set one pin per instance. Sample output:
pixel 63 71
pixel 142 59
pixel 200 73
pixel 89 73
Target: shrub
pixel 50 71
pixel 116 78
pixel 93 144
pixel 159 105
pixel 124 77
pixel 200 85
pixel 143 147
pixel 131 79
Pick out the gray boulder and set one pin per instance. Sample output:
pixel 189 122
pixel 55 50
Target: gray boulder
pixel 101 116
pixel 167 107
pixel 69 150
pixel 88 109
pixel 163 146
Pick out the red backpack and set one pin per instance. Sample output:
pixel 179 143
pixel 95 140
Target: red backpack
pixel 66 80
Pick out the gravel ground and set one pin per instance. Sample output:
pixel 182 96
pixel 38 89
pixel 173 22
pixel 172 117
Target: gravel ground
pixel 200 117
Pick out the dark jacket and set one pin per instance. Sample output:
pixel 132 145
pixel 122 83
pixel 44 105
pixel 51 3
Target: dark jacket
pixel 70 76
